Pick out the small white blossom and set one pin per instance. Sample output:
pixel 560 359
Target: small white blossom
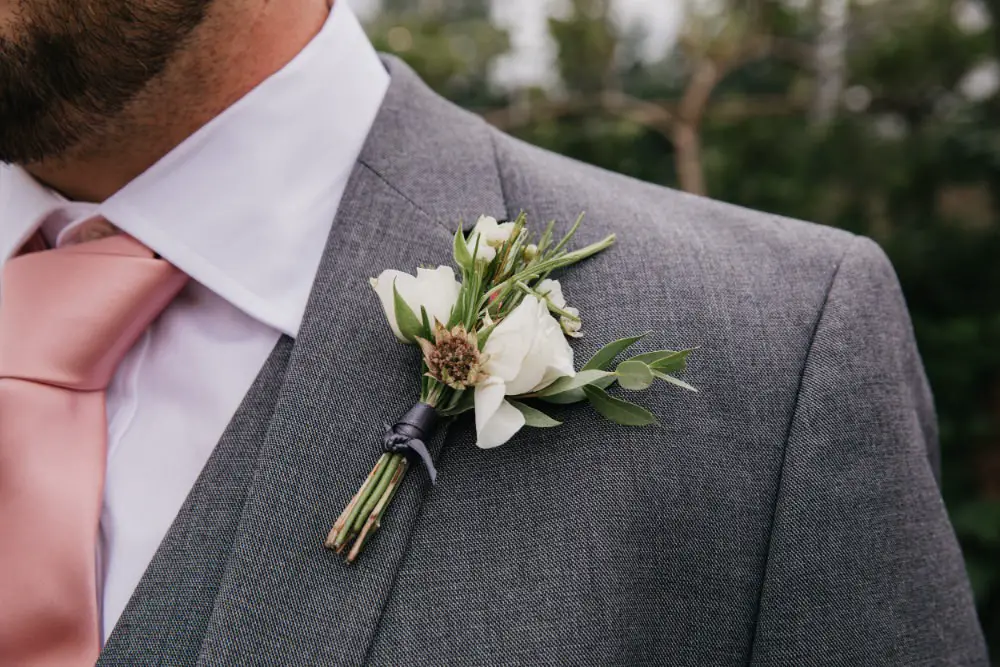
pixel 552 291
pixel 525 353
pixel 490 236
pixel 434 289
pixel 570 326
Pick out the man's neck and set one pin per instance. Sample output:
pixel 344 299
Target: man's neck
pixel 240 44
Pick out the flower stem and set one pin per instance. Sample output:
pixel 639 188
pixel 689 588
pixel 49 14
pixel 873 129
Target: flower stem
pixel 375 518
pixel 383 483
pixel 341 532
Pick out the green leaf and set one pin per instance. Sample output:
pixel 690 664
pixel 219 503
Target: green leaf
pixel 617 410
pixel 665 360
pixel 535 418
pixel 674 381
pixel 463 258
pixel 407 321
pixel 566 398
pixel 428 332
pixel 484 335
pixel 462 402
pixel 569 235
pixel 546 240
pixel 634 375
pixel 607 354
pixel 570 383
pixel 577 395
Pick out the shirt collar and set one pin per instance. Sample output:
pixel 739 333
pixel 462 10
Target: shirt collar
pixel 245 204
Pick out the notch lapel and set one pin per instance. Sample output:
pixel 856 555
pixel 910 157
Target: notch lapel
pixel 283 598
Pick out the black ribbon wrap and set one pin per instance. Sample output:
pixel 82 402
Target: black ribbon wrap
pixel 410 434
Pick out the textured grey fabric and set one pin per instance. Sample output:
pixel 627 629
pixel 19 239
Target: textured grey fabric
pixel 165 621
pixel 785 515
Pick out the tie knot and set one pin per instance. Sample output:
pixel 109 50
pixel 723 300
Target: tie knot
pixel 68 316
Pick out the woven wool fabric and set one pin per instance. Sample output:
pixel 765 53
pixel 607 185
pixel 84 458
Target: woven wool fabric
pixel 787 514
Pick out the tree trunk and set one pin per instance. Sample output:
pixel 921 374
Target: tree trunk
pixel 687 157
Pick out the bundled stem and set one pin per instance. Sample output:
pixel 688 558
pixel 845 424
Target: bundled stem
pixel 375 518
pixel 363 515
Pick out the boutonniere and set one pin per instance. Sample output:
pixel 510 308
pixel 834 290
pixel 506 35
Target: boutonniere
pixel 494 343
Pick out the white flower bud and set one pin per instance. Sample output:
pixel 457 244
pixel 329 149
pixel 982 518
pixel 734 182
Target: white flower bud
pixel 434 289
pixel 571 327
pixel 552 290
pixel 490 235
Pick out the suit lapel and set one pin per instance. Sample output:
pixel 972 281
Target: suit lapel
pixel 165 621
pixel 282 597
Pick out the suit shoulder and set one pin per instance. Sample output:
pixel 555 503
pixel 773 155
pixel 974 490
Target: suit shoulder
pixel 669 222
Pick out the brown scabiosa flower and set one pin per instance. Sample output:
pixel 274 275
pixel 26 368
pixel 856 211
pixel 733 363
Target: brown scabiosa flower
pixel 453 358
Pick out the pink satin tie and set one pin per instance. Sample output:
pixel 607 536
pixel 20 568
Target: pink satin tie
pixel 67 317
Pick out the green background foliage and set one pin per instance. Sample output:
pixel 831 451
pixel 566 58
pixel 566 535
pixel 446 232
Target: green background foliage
pixel 887 140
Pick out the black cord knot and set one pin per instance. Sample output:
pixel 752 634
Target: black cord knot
pixel 409 435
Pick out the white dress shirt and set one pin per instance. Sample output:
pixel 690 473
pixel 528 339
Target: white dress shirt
pixel 244 207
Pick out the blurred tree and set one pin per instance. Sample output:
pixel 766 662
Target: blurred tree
pixel 861 114
pixel 587 44
pixel 452 44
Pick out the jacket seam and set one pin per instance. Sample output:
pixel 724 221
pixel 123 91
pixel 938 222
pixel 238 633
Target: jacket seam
pixel 494 133
pixel 389 184
pixel 784 452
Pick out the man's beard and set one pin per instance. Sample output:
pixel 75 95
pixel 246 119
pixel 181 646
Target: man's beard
pixel 68 67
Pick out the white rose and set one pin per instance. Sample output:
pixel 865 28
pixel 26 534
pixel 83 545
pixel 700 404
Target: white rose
pixel 490 235
pixel 525 353
pixel 434 289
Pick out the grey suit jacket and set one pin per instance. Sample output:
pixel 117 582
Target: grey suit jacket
pixel 786 515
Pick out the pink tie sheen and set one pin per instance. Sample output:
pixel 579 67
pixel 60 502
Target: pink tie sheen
pixel 67 317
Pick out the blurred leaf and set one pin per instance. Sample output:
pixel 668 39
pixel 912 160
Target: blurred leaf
pixel 979 520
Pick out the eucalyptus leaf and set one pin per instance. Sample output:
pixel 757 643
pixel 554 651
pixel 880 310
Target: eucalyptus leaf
pixel 406 320
pixel 617 410
pixel 672 380
pixel 535 418
pixel 634 375
pixel 604 383
pixel 566 398
pixel 570 383
pixel 674 363
pixel 665 360
pixel 603 358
